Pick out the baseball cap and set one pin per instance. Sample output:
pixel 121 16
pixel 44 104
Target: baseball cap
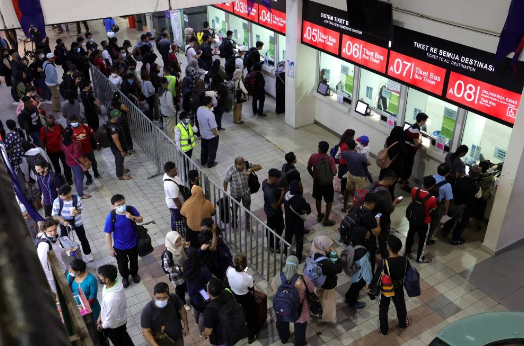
pixel 363 139
pixel 115 113
pixel 50 55
pixel 149 34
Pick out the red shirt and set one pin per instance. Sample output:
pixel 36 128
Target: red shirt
pixel 315 158
pixel 72 153
pixel 81 134
pixel 343 147
pixel 100 63
pixel 52 139
pixel 430 204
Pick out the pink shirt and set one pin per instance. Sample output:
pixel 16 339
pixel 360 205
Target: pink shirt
pixel 306 313
pixel 72 151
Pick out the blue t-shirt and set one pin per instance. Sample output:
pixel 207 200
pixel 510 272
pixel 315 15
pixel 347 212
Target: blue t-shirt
pixel 356 163
pixel 271 196
pixel 444 192
pixel 124 234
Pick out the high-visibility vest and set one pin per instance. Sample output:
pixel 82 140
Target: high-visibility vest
pixel 187 138
pixel 172 84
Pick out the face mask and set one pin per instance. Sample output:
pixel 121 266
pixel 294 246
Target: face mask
pixel 91 39
pixel 124 55
pixel 78 50
pixel 113 75
pixel 74 124
pixel 41 56
pixel 84 44
pixel 52 239
pixel 51 124
pixel 72 274
pixel 130 81
pixel 161 303
pixel 121 208
pixel 187 121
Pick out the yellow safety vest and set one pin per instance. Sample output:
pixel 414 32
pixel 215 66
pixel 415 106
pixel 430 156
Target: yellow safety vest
pixel 187 138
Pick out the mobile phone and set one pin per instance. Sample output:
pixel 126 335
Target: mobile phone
pixel 378 215
pixel 400 198
pixel 204 294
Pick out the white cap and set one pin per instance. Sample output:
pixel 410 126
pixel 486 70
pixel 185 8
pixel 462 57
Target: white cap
pixel 50 55
pixel 110 34
pixel 243 49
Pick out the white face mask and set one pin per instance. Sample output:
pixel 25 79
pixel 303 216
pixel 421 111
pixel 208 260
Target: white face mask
pixel 161 303
pixel 121 208
pixel 72 274
pixel 74 124
pixel 113 75
pixel 42 56
pixel 124 55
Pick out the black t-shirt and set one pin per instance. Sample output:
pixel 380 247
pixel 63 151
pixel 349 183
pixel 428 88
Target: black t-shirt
pixel 32 117
pixel 211 315
pixel 397 270
pixel 207 53
pixel 465 190
pixel 113 129
pixel 367 219
pixel 291 173
pixel 154 318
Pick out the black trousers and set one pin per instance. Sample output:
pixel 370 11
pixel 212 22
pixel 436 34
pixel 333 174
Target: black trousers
pixel 353 292
pixel 382 241
pixel 422 231
pixel 208 153
pixel 461 226
pixel 81 233
pixel 219 111
pixel 119 336
pixel 400 306
pixel 342 169
pixel 180 291
pixel 127 261
pixel 259 98
pixel 55 160
pixel 48 209
pixel 296 230
pixel 409 160
pixel 300 332
pixel 79 31
pixel 276 223
pixel 119 161
pixel 94 165
pixel 248 304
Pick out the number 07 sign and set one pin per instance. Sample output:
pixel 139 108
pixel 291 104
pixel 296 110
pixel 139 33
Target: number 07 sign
pixel 322 38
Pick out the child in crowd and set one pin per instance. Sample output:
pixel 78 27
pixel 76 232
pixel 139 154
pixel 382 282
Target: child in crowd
pixel 363 148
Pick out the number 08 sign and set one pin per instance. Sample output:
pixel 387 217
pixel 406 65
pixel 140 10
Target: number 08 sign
pixel 322 38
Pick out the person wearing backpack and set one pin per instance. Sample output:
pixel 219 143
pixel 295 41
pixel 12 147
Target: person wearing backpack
pixel 296 209
pixel 253 56
pixel 173 259
pixel 45 242
pixel 258 90
pixel 322 169
pixel 197 276
pixel 290 273
pixel 226 47
pixel 357 164
pixel 161 319
pixel 444 194
pixel 49 183
pixel 273 199
pixel 395 267
pixel 67 209
pixel 396 151
pixel 336 153
pixel 324 255
pixel 361 259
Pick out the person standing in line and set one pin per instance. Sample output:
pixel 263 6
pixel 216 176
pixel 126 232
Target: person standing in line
pixel 194 178
pixel 196 209
pixel 49 184
pixel 161 319
pixel 123 122
pixel 240 95
pixel 296 209
pixel 413 143
pixel 207 55
pixel 167 108
pixel 322 246
pixel 444 193
pixel 273 200
pixel 174 199
pixel 185 133
pixel 122 238
pixel 217 85
pixel 430 203
pixel 219 298
pixel 457 166
pixel 259 92
pixel 113 316
pixel 322 169
pixel 67 209
pixel 290 171
pixel 51 80
pixel 70 106
pixel 342 165
pixel 29 121
pixel 83 134
pixel 396 152
pixel 91 104
pixel 118 144
pixel 227 46
pixel 149 92
pixel 47 241
pixel 396 267
pixel 173 259
pixel 13 144
pixel 362 278
pixel 50 138
pixel 74 158
pixel 254 55
pixel 37 71
pixel 209 132
pixel 238 175
pixel 356 164
pixel 5 64
pixel 163 48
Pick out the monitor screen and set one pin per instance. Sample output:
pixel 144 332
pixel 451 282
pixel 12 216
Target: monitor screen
pixel 322 89
pixel 361 107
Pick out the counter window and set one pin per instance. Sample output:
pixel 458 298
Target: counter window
pixel 380 93
pixel 486 139
pixel 240 30
pixel 217 20
pixel 281 47
pixel 268 38
pixel 442 115
pixel 338 74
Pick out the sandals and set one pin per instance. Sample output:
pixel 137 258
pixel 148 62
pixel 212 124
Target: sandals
pixel 328 223
pixel 320 217
pixel 124 177
pixel 408 323
pixel 425 261
pixel 85 197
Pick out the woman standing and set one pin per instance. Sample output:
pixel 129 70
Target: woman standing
pixel 173 262
pixel 295 207
pixel 323 247
pixel 217 85
pixel 396 152
pixel 242 285
pixel 240 96
pixel 75 159
pixel 290 270
pixel 342 165
pixel 280 73
pixel 195 209
pixel 79 277
pixel 361 279
pixel 458 167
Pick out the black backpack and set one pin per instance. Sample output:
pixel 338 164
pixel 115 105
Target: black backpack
pixel 231 322
pixel 33 159
pixel 248 58
pixel 435 191
pixel 348 224
pixel 333 153
pixel 252 181
pixel 230 65
pixel 416 210
pixel 184 190
pixel 323 173
pixel 102 136
pixel 283 182
pixel 224 46
pixel 144 240
pixel 63 180
pixel 61 204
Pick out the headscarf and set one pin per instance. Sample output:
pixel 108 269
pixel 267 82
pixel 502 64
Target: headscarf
pixel 281 67
pixel 395 135
pixel 215 68
pixel 192 62
pixel 321 244
pixel 358 236
pixel 196 208
pixel 192 267
pixel 238 74
pixel 179 256
pixel 290 269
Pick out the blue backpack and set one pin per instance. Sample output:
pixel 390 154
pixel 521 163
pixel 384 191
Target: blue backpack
pixel 287 301
pixel 333 153
pixel 314 272
pixel 411 280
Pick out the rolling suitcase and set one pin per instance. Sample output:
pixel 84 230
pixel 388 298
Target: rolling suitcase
pixel 261 303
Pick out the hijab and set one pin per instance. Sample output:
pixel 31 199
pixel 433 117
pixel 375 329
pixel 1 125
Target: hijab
pixel 396 135
pixel 192 267
pixel 179 256
pixel 290 269
pixel 321 244
pixel 358 236
pixel 238 74
pixel 196 208
pixel 193 63
pixel 215 68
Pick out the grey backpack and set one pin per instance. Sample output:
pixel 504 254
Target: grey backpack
pixel 347 258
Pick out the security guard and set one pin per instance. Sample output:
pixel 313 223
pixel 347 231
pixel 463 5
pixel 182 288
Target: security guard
pixel 184 133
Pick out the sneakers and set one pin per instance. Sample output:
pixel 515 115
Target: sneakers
pixel 69 181
pixel 458 242
pixel 89 181
pixel 359 305
pixel 125 282
pixel 97 175
pixel 88 258
pixel 136 278
pixel 15 103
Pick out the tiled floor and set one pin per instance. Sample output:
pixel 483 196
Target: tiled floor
pixel 462 281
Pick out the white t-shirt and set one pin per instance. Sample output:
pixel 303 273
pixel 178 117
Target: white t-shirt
pixel 171 190
pixel 107 56
pixel 239 282
pixel 190 53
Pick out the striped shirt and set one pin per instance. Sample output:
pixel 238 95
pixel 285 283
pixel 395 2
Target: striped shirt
pixel 66 211
pixel 411 134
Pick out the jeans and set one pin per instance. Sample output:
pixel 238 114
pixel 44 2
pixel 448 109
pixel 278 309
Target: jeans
pixel 219 111
pixel 400 306
pixel 246 203
pixel 422 231
pixel 119 336
pixel 436 216
pixel 208 152
pixel 199 318
pixel 300 332
pixel 353 292
pixel 44 90
pixel 55 160
pixel 125 258
pixel 78 177
pixel 259 97
pixel 35 136
pixel 276 223
pixel 296 230
pixel 175 216
pixel 80 232
pixel 119 162
pixel 94 164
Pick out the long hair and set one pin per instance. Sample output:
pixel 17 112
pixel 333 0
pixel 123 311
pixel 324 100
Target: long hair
pixel 462 149
pixel 346 135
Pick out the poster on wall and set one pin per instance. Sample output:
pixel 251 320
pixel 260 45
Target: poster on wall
pixel 448 123
pixel 440 143
pixel 290 69
pixel 176 26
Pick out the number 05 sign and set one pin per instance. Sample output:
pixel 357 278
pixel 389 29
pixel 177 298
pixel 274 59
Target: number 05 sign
pixel 320 37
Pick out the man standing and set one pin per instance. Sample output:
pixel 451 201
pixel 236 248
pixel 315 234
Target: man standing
pixel 254 56
pixel 444 194
pixel 322 169
pixel 259 92
pixel 113 314
pixel 238 175
pixel 51 80
pixel 185 133
pixel 50 136
pixel 82 133
pixel 273 199
pixel 171 189
pixel 118 144
pixel 226 47
pixel 46 242
pixel 413 143
pixel 29 121
pixel 121 224
pixel 163 47
pixel 164 314
pixel 207 55
pixel 49 184
pixel 356 164
pixel 167 108
pixel 290 170
pixel 209 133
pixel 219 298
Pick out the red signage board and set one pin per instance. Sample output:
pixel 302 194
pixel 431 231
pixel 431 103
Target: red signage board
pixel 226 6
pixel 486 98
pixel 364 53
pixel 272 19
pixel 322 38
pixel 240 9
pixel 417 73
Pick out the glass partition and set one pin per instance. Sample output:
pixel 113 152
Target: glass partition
pixel 337 73
pixel 217 20
pixel 380 93
pixel 281 47
pixel 240 30
pixel 268 38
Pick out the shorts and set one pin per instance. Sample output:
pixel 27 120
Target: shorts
pixel 324 191
pixel 354 183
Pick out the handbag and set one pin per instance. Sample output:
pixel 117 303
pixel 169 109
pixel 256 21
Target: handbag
pixel 315 306
pixel 161 338
pixel 411 280
pixel 387 289
pixel 241 97
pixel 304 216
